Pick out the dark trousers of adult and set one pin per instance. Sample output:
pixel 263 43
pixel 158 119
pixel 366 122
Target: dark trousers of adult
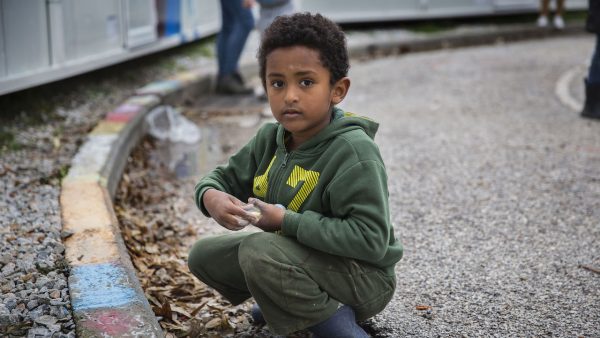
pixel 594 71
pixel 591 106
pixel 237 23
pixel 295 286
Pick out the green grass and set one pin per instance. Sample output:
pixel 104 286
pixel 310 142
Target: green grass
pixel 575 16
pixel 8 142
pixel 202 48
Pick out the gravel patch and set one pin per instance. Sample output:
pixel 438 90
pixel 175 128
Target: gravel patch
pixel 494 190
pixel 40 131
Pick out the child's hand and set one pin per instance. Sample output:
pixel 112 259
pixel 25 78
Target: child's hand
pixel 226 210
pixel 271 215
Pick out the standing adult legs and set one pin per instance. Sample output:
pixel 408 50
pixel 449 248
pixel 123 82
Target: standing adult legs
pixel 237 23
pixel 558 21
pixel 594 72
pixel 542 20
pixel 591 107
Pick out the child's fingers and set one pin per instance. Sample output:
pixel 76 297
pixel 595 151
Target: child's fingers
pixel 238 211
pixel 257 203
pixel 234 223
pixel 236 201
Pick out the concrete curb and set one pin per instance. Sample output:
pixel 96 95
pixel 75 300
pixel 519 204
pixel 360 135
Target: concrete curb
pixel 106 296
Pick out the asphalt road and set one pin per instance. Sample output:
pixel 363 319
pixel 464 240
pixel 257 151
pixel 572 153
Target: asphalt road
pixel 495 189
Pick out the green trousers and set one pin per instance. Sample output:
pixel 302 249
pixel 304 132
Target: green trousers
pixel 295 286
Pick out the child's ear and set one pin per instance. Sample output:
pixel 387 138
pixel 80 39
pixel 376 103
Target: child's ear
pixel 340 89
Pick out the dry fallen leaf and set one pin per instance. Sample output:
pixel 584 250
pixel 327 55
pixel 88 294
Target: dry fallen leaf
pixel 213 323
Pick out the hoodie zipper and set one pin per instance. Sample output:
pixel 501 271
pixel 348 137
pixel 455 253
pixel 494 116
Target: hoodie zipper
pixel 279 176
pixel 285 158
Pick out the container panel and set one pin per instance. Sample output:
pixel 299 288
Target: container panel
pixel 141 22
pixel 2 51
pixel 91 27
pixel 200 18
pixel 25 36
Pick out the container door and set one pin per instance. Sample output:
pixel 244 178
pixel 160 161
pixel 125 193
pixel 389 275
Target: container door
pixel 25 35
pixel 209 17
pixel 141 22
pixel 85 28
pixel 199 18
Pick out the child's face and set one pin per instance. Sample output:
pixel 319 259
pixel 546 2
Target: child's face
pixel 299 91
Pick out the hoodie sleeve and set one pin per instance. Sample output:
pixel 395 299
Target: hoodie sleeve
pixel 360 227
pixel 234 178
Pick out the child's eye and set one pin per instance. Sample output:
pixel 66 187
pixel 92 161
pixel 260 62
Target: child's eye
pixel 306 83
pixel 277 84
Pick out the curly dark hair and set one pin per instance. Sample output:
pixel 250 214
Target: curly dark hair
pixel 309 30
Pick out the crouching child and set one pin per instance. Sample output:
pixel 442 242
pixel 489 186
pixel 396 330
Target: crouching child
pixel 325 258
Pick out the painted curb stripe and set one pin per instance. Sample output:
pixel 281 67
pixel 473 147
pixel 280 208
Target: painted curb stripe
pixel 108 127
pixel 113 323
pixel 100 286
pixel 188 77
pixel 124 113
pixel 92 247
pixel 143 100
pixel 160 88
pixel 92 178
pixel 91 156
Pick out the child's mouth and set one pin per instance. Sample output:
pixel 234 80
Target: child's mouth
pixel 291 113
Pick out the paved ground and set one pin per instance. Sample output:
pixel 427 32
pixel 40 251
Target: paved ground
pixel 494 190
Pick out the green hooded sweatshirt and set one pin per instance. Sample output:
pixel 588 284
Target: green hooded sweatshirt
pixel 334 187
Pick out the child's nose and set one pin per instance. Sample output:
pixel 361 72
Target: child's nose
pixel 291 95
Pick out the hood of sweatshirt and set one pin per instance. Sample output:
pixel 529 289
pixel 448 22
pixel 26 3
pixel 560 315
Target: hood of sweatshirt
pixel 341 122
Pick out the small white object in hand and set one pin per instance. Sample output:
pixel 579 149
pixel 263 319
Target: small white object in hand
pixel 252 211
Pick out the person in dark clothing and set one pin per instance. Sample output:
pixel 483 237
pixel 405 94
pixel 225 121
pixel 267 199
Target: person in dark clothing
pixel 237 22
pixel 591 108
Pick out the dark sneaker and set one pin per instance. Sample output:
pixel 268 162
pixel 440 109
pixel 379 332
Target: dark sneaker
pixel 341 324
pixel 257 316
pixel 239 78
pixel 591 107
pixel 229 85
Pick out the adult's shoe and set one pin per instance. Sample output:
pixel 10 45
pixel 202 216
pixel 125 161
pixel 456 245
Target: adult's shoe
pixel 230 85
pixel 591 108
pixel 558 22
pixel 542 21
pixel 239 78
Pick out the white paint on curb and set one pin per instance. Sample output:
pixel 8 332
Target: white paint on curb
pixel 92 155
pixel 562 89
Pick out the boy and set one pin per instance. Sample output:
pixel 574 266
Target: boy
pixel 326 259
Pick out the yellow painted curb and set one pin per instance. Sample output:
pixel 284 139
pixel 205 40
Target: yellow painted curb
pixel 108 127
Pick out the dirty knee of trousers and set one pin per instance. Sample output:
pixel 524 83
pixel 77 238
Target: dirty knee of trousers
pixel 257 252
